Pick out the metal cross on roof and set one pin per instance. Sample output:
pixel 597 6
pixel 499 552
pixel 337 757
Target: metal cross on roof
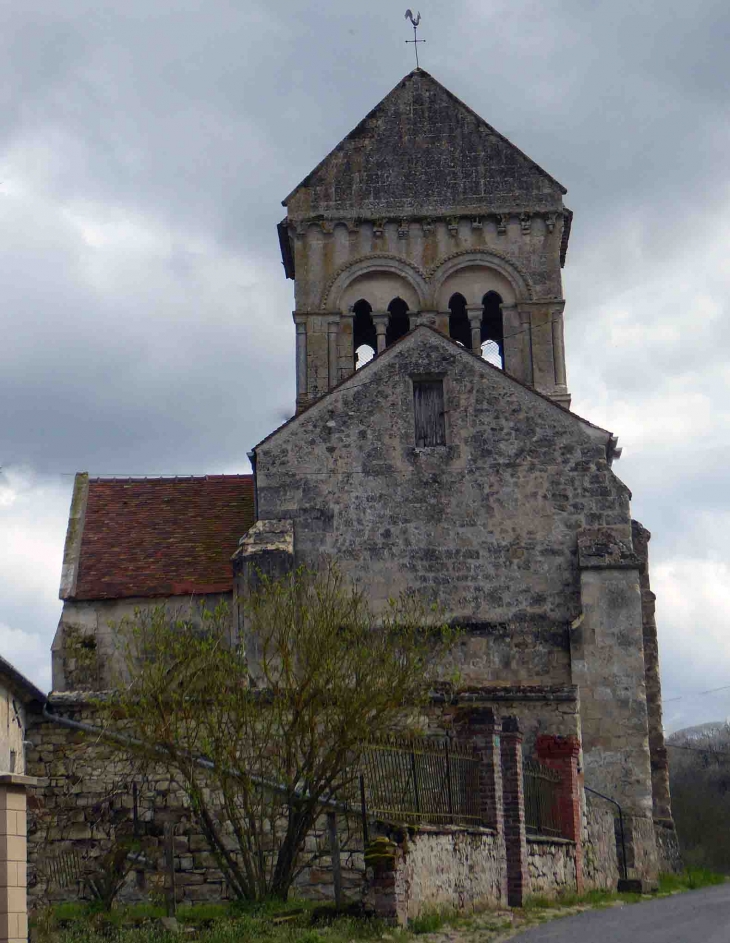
pixel 415 40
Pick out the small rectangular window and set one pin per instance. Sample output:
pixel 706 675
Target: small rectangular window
pixel 428 409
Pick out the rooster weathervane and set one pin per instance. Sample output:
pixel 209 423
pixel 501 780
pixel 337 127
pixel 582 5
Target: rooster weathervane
pixel 415 21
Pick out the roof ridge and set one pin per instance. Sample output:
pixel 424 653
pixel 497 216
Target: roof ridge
pixel 214 477
pixel 444 337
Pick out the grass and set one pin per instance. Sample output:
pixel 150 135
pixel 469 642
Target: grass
pixel 270 922
pixel 689 880
pixel 298 921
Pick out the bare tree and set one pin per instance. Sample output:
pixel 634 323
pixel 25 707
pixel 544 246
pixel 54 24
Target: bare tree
pixel 283 740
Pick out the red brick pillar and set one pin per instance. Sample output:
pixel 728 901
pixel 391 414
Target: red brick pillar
pixel 479 727
pixel 518 877
pixel 561 754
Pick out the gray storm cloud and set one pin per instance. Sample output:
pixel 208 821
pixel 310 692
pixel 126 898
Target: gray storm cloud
pixel 144 151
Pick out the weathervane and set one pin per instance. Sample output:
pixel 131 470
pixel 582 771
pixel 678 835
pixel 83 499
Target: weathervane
pixel 415 40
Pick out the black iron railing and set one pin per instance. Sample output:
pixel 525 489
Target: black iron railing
pixel 421 780
pixel 542 799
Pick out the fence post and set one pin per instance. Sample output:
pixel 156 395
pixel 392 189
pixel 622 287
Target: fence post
pixel 477 726
pixel 561 754
pixel 170 902
pixel 364 812
pixel 415 781
pixel 515 838
pixel 334 842
pixel 448 780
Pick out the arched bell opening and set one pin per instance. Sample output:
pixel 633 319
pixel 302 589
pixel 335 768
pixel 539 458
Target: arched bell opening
pixel 398 322
pixel 492 329
pixel 365 338
pixel 459 329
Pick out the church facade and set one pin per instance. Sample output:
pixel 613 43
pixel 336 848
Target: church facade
pixel 433 449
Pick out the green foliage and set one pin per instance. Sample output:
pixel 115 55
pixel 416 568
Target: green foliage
pixel 224 923
pixel 430 922
pixel 689 880
pixel 281 725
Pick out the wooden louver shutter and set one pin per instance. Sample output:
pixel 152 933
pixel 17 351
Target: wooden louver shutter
pixel 428 406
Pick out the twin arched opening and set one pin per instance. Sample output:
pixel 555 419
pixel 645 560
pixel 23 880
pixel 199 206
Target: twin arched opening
pixel 365 333
pixel 491 327
pixel 387 295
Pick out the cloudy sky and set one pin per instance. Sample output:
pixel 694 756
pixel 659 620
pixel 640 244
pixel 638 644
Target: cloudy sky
pixel 145 322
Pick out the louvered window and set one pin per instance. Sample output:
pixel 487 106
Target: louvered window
pixel 428 408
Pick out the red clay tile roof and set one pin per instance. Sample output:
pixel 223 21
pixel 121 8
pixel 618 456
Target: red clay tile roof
pixel 162 537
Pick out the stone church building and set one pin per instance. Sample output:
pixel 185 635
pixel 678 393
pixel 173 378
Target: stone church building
pixel 433 448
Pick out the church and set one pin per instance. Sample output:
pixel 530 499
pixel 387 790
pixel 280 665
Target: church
pixel 432 449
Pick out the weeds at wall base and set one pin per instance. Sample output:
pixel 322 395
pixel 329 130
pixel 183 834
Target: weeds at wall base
pixel 300 921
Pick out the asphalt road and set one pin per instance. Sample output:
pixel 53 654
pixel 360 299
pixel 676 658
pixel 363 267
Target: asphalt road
pixel 694 917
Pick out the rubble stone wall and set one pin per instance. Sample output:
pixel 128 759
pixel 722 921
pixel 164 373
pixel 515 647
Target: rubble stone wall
pixel 551 866
pixel 452 867
pixel 669 852
pixel 600 858
pixel 438 869
pixel 76 776
pixel 485 525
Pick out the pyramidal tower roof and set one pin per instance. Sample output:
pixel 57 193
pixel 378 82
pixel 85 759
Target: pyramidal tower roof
pixel 421 150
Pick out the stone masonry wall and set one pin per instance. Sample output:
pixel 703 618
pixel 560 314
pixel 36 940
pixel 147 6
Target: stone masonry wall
pixel 485 525
pixel 600 860
pixel 69 812
pixel 541 710
pixel 452 868
pixel 401 165
pixel 435 869
pixel 82 787
pixel 659 760
pixel 641 850
pixel 668 851
pixel 86 648
pixel 551 865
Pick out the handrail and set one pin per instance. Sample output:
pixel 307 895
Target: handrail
pixel 124 740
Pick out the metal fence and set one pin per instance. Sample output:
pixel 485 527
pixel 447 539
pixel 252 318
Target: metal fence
pixel 421 780
pixel 542 799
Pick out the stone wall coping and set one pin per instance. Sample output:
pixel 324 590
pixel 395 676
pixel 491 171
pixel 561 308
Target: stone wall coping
pixel 521 692
pixel 429 829
pixel 548 840
pixel 16 779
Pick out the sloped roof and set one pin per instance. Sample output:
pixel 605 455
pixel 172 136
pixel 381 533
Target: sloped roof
pixel 421 149
pixel 368 370
pixel 161 536
pixel 19 684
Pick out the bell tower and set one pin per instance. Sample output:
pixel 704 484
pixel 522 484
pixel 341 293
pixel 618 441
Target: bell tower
pixel 424 214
